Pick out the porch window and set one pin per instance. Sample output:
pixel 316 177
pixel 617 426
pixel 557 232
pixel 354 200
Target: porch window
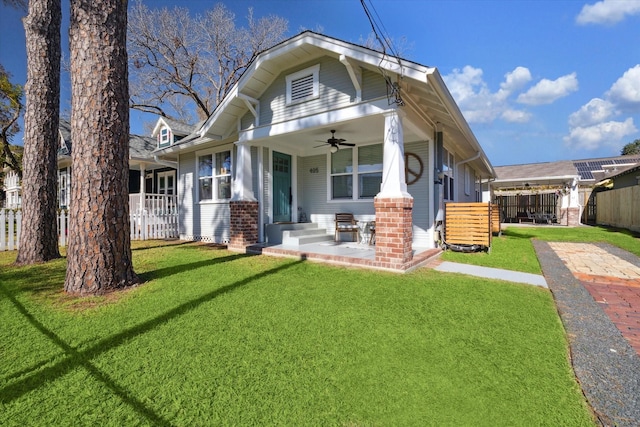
pixel 342 174
pixel 214 176
pixel 359 179
pixel 369 170
pixel 303 85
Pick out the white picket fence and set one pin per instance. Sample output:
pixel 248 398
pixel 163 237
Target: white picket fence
pixel 145 225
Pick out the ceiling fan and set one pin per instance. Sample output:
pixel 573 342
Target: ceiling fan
pixel 336 142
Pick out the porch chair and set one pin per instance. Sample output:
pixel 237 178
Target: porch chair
pixel 346 223
pixel 372 232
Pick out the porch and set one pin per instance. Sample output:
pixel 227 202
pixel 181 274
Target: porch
pixel 311 243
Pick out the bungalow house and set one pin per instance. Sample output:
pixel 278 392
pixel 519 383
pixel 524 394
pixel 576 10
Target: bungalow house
pixel 316 126
pixel 11 189
pixel 563 191
pixel 150 179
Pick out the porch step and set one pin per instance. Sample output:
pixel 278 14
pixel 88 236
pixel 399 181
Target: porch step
pixel 301 237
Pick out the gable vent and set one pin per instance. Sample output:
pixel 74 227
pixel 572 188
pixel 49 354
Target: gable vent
pixel 303 85
pixel 302 88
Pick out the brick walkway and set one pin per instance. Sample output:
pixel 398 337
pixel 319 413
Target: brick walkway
pixel 612 282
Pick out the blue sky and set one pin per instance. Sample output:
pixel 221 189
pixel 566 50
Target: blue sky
pixel 536 80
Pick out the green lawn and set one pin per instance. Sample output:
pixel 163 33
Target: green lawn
pixel 217 338
pixel 514 251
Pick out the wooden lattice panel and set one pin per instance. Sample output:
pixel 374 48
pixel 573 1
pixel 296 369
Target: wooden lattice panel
pixel 468 224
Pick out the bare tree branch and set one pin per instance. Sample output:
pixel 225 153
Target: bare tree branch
pixel 182 66
pixel 10 111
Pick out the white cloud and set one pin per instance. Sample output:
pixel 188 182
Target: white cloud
pixel 478 103
pixel 514 81
pixel 516 116
pixel 465 84
pixel 595 111
pixel 607 133
pixel 547 91
pixel 608 11
pixel 626 90
pixel 472 95
pixel 593 124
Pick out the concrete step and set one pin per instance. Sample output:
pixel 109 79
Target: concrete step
pixel 301 237
pixel 274 232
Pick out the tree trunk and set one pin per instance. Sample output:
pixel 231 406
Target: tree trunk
pixel 99 252
pixel 39 238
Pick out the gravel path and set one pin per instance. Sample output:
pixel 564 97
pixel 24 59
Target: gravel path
pixel 606 365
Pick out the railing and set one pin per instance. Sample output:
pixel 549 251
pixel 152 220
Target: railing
pixel 145 225
pixel 155 203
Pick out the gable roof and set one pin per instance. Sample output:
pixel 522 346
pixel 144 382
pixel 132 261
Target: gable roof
pixel 140 147
pixel 586 171
pixel 422 88
pixel 177 127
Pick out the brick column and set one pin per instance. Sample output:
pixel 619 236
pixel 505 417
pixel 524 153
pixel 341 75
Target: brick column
pixel 244 224
pixel 573 216
pixel 394 232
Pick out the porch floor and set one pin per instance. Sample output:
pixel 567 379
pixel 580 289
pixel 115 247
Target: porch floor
pixel 341 253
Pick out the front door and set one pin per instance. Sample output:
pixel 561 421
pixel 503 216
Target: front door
pixel 281 187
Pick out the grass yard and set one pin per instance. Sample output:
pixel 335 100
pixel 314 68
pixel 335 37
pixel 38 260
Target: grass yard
pixel 217 338
pixel 514 251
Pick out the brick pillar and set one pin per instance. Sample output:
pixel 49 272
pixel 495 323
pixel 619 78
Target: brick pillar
pixel 573 216
pixel 394 232
pixel 244 224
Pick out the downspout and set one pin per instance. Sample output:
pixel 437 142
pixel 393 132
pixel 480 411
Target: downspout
pixel 470 159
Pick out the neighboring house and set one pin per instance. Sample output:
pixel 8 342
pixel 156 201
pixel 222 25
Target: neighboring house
pixel 265 158
pixel 626 177
pixel 149 177
pixel 11 188
pixel 563 188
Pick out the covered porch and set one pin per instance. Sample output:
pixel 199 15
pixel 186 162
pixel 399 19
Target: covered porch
pixel 350 254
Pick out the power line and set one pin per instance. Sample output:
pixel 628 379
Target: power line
pixel 393 89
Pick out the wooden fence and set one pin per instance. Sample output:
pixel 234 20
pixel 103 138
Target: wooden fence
pixel 468 224
pixel 619 208
pixel 144 226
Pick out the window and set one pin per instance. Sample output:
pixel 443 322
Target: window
pixel 369 170
pixel 303 85
pixel 449 173
pixel 64 176
pixel 366 173
pixel 164 137
pixel 342 174
pixel 214 176
pixel 468 180
pixel 166 183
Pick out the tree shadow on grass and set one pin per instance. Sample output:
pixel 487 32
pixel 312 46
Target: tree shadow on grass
pixel 83 358
pixel 177 269
pixel 35 279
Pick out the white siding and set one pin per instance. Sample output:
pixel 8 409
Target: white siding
pixel 421 193
pixel 266 186
pixel 208 222
pixel 373 85
pixel 186 180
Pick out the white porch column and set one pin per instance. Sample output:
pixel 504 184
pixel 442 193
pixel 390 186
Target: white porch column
pixel 393 174
pixel 243 182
